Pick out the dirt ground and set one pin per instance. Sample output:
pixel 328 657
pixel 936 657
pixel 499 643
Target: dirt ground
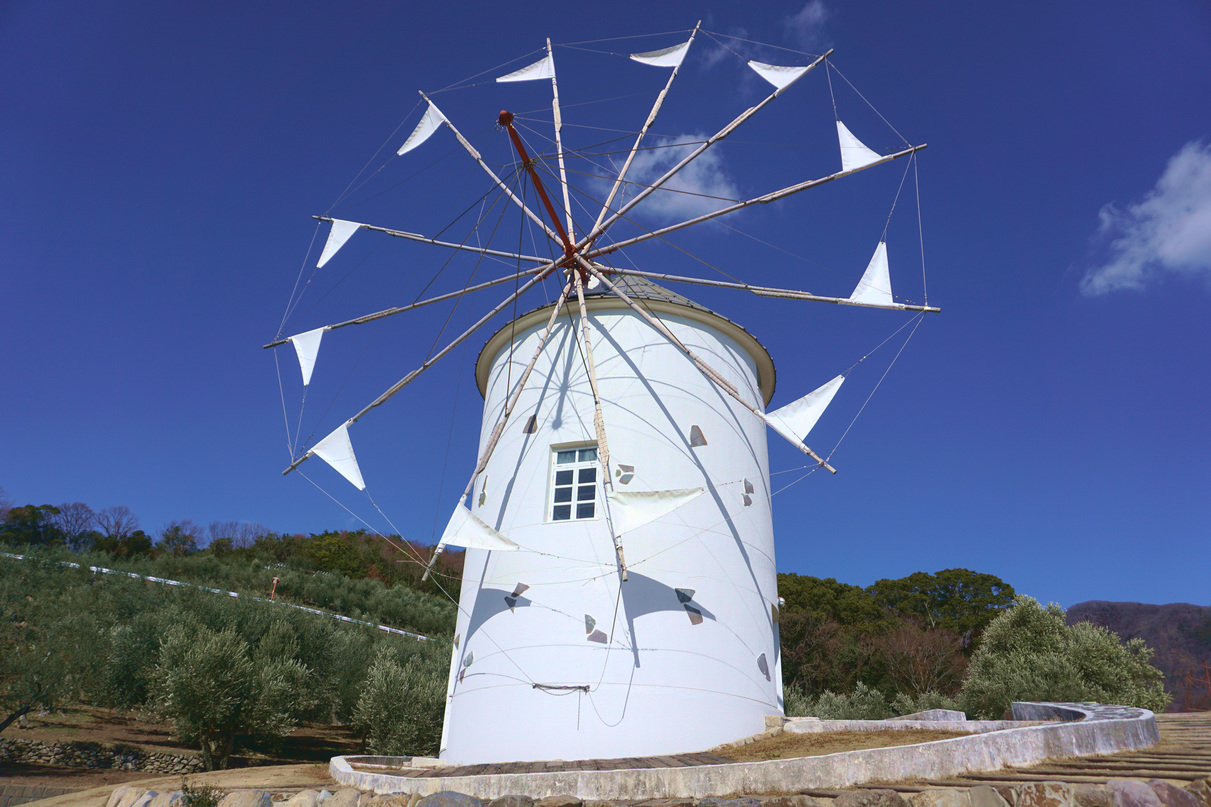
pixel 789 746
pixel 302 758
pixel 270 777
pixel 308 743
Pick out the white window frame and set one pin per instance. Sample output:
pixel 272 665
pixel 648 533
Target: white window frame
pixel 585 469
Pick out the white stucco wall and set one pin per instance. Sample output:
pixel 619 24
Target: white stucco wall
pixel 659 683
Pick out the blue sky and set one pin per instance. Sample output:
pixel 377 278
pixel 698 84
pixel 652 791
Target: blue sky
pixel 160 164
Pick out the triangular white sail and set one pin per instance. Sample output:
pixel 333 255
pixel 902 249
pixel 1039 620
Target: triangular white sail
pixel 337 451
pixel 307 346
pixel 778 75
pixel 465 530
pixel 543 68
pixel 796 420
pixel 875 286
pixel 631 509
pixel 854 153
pixel 429 124
pixel 337 236
pixel 665 57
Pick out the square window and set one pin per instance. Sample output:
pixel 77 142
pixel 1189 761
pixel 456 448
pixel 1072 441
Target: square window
pixel 573 483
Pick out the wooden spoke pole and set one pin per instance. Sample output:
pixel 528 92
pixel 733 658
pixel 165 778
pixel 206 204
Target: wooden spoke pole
pixel 578 276
pixel 773 196
pixel 408 379
pixel 475 155
pixel 766 291
pixel 703 366
pixel 387 312
pixel 494 438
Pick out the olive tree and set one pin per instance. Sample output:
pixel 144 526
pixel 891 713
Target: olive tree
pixel 401 706
pixel 1029 653
pixel 214 690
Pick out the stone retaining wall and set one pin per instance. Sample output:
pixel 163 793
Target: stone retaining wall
pixel 95 755
pixel 1100 730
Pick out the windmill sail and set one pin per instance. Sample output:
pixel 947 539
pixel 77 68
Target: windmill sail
pixel 632 509
pixel 307 346
pixel 465 530
pixel 337 236
pixel 429 124
pixel 337 451
pixel 796 420
pixel 543 68
pixel 665 57
pixel 875 286
pixel 778 75
pixel 854 153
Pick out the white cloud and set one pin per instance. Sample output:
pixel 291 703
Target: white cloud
pixel 1167 232
pixel 701 187
pixel 806 26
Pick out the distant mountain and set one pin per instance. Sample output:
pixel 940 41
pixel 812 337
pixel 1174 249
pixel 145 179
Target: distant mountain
pixel 1180 634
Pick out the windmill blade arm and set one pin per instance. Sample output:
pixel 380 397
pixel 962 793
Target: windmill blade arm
pixel 710 141
pixel 514 198
pixel 773 196
pixel 387 312
pixel 490 447
pixel 412 376
pixel 766 291
pixel 603 445
pixel 706 369
pixel 605 208
pixel 557 118
pixel 449 244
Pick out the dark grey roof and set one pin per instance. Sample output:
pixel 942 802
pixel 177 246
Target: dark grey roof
pixel 634 286
pixel 640 288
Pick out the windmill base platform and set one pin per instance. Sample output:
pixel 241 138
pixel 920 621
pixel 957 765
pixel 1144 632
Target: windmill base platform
pixel 1070 730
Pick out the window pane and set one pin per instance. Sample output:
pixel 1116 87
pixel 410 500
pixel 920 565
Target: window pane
pixel 564 457
pixel 584 492
pixel 588 475
pixel 563 495
pixel 562 512
pixel 563 477
pixel 588 454
pixel 584 510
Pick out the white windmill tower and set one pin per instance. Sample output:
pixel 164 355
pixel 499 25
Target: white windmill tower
pixel 619 591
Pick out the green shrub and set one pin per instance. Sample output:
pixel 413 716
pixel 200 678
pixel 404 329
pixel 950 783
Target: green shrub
pixel 905 704
pixel 864 703
pixel 401 706
pixel 200 796
pixel 213 691
pixel 1029 653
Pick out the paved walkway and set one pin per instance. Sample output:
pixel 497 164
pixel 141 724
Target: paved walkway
pixel 1184 755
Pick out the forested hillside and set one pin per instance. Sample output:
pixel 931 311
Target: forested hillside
pixel 1180 634
pixel 912 635
pixel 241 673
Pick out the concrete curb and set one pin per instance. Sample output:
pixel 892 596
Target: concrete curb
pixel 1089 729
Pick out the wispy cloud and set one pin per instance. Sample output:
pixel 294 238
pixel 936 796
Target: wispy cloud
pixel 806 26
pixel 1168 232
pixel 701 187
